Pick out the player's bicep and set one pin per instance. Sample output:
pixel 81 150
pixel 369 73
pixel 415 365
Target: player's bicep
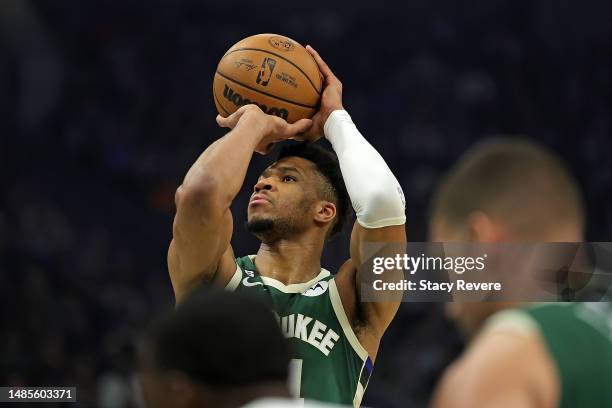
pixel 380 242
pixel 364 241
pixel 201 237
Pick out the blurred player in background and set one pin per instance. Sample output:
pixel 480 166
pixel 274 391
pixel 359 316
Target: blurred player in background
pixel 546 355
pixel 297 204
pixel 202 356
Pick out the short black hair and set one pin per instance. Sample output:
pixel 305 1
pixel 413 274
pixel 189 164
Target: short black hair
pixel 516 179
pixel 327 165
pixel 220 339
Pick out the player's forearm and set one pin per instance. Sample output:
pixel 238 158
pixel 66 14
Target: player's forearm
pixel 221 168
pixel 375 193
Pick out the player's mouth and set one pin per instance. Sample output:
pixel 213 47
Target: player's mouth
pixel 258 199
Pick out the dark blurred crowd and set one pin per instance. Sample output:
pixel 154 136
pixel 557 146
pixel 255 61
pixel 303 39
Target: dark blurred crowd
pixel 106 104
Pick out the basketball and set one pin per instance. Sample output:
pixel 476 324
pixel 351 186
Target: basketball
pixel 270 70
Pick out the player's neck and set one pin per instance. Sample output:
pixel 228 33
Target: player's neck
pixel 290 261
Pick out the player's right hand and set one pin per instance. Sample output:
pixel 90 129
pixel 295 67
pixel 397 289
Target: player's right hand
pixel 331 99
pixel 269 128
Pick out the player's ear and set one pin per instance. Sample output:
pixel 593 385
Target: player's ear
pixel 183 391
pixel 325 212
pixel 482 228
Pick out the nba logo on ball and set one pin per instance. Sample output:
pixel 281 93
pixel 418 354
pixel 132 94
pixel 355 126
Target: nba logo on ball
pixel 265 73
pixel 317 289
pixel 287 84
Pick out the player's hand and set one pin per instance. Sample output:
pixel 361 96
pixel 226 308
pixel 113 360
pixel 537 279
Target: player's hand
pixel 331 99
pixel 270 129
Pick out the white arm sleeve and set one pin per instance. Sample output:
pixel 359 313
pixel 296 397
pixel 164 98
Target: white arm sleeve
pixel 377 198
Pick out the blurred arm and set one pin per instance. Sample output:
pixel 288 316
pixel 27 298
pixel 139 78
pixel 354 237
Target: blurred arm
pixel 501 369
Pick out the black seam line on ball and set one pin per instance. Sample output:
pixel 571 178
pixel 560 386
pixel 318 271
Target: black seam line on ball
pixel 264 93
pixel 221 105
pixel 281 57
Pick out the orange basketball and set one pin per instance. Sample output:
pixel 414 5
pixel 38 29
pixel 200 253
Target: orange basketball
pixel 272 71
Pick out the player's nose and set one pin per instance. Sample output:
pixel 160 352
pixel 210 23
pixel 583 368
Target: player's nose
pixel 263 184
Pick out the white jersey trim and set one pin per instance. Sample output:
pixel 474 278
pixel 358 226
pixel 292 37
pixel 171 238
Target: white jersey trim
pixel 334 295
pixel 289 403
pixel 358 395
pixel 350 335
pixel 294 287
pixel 514 320
pixel 235 281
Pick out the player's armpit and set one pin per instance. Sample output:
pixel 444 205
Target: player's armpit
pixel 500 369
pixel 200 247
pixel 369 320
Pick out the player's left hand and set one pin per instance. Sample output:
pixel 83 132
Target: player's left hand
pixel 331 99
pixel 269 129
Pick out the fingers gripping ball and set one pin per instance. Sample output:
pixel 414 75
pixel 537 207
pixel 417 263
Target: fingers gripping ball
pixel 272 71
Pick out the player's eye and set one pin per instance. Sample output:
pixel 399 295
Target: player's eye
pixel 288 178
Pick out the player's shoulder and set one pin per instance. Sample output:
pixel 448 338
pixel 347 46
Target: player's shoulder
pixel 561 319
pixel 347 273
pixel 226 268
pixel 245 262
pixel 570 309
pixel 495 364
pixel 346 282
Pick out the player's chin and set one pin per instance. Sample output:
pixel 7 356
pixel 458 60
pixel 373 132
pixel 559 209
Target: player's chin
pixel 259 214
pixel 260 211
pixel 259 224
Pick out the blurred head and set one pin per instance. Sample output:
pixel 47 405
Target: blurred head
pixel 303 190
pixel 505 190
pixel 218 349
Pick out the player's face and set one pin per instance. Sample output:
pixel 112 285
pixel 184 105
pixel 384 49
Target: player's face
pixel 154 390
pixel 283 196
pixel 468 316
pixel 163 389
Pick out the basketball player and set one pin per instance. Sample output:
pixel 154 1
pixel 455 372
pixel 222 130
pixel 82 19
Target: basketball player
pixel 546 355
pixel 197 357
pixel 298 202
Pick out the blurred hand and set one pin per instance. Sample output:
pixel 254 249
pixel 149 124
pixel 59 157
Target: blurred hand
pixel 331 99
pixel 270 128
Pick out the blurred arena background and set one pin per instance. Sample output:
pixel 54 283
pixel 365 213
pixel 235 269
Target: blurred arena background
pixel 105 105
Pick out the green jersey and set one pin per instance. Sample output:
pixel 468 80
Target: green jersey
pixel 329 363
pixel 579 339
